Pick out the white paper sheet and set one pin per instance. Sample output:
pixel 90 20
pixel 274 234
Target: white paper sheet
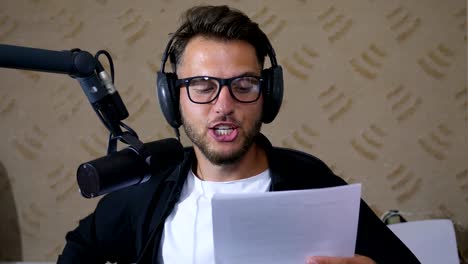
pixel 431 241
pixel 285 227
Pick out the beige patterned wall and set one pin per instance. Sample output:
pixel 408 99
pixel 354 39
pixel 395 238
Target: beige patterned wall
pixel 375 88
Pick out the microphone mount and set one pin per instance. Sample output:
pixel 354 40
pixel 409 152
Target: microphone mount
pixel 97 85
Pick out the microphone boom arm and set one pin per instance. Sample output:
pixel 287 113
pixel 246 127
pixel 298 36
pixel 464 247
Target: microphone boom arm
pixel 80 65
pixel 115 170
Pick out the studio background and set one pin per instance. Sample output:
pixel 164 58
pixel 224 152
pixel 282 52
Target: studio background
pixel 377 89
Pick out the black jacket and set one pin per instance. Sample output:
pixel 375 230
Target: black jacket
pixel 127 225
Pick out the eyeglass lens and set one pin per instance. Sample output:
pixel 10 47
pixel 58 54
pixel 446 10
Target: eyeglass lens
pixel 206 89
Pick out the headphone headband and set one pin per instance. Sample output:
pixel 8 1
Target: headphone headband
pixel 166 53
pixel 270 52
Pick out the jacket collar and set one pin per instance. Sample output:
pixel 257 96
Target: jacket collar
pixel 179 174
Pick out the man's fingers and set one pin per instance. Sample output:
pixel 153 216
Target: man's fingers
pixel 326 260
pixel 334 260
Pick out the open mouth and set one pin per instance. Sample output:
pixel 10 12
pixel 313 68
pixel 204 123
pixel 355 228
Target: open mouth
pixel 226 132
pixel 223 130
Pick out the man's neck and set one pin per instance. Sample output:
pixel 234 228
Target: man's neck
pixel 252 163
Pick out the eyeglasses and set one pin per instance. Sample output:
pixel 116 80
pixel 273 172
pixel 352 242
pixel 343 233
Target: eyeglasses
pixel 205 89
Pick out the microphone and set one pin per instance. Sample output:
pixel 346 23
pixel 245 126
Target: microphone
pixel 79 64
pixel 126 167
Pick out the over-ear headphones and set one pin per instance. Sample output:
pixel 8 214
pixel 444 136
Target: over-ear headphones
pixel 168 93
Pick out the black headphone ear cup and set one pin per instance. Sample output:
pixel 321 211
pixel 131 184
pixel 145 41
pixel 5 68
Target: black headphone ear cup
pixel 168 97
pixel 272 92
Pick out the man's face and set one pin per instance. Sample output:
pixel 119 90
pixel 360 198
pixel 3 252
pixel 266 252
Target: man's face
pixel 224 129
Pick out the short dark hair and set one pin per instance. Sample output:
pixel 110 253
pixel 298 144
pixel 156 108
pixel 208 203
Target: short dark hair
pixel 218 22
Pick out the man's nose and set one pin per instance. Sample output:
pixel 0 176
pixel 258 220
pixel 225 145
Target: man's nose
pixel 224 104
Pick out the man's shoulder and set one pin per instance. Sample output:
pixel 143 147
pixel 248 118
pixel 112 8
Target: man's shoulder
pixel 293 155
pixel 297 159
pixel 301 168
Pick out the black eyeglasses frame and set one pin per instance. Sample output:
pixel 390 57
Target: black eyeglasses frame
pixel 221 82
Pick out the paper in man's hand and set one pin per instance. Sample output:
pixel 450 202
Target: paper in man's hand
pixel 285 227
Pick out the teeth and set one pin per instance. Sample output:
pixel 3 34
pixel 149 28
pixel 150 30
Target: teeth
pixel 223 127
pixel 223 130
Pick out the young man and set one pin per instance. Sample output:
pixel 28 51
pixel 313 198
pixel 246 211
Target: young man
pixel 222 96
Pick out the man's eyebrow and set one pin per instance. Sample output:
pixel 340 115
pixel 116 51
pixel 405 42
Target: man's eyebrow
pixel 249 74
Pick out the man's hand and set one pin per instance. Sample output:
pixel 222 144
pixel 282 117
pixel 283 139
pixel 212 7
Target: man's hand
pixel 334 260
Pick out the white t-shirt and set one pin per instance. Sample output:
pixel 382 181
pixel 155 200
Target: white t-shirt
pixel 188 231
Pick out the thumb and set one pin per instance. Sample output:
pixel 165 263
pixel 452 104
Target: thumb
pixel 326 260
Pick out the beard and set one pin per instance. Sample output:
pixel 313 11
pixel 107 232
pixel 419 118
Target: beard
pixel 200 139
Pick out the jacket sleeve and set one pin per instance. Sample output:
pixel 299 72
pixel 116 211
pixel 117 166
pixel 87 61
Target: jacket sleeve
pixel 374 239
pixel 105 235
pixel 377 241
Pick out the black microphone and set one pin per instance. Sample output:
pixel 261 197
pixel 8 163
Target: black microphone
pixel 79 64
pixel 126 167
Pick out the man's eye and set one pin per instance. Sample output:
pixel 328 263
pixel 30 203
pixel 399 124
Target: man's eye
pixel 243 89
pixel 204 90
pixel 245 85
pixel 203 87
